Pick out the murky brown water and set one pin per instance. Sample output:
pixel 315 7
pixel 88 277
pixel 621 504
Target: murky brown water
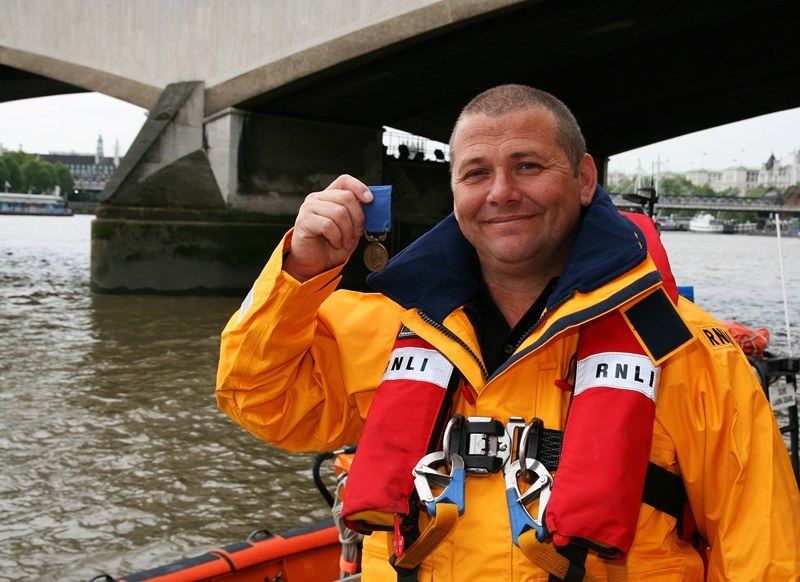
pixel 113 455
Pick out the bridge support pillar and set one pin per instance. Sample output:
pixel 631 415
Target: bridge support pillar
pixel 198 203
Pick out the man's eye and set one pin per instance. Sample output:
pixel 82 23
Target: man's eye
pixel 473 174
pixel 529 166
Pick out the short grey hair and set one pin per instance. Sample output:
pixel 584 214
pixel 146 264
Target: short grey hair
pixel 509 98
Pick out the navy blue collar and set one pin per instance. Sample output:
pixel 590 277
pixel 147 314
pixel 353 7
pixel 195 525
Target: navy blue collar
pixel 440 272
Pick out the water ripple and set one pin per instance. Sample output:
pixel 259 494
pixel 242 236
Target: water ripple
pixel 115 457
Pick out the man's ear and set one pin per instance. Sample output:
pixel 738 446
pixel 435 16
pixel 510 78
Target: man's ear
pixel 587 176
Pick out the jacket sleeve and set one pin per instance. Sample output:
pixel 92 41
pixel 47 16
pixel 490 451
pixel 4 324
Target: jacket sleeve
pixel 299 362
pixel 735 465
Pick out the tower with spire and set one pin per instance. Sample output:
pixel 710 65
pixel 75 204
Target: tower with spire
pixel 98 156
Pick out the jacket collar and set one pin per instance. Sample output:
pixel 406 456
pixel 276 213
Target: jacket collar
pixel 440 272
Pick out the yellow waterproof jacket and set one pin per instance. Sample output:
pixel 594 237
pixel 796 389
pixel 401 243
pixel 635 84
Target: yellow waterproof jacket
pixel 300 364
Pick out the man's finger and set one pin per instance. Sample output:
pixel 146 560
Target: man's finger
pixel 354 185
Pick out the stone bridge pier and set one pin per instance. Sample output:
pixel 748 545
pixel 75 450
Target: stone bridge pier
pixel 199 203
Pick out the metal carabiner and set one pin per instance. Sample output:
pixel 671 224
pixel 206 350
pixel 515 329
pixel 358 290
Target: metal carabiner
pixel 521 519
pixel 426 476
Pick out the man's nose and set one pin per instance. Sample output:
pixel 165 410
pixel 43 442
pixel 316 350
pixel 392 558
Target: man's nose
pixel 503 189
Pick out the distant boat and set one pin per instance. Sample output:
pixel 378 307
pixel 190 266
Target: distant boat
pixel 33 204
pixel 706 223
pixel 667 223
pixel 736 227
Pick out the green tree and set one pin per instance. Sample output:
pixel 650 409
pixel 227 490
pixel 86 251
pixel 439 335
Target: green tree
pixel 63 178
pixel 14 173
pixel 625 186
pixel 19 157
pixel 757 192
pixel 5 175
pixel 704 190
pixel 38 176
pixel 675 186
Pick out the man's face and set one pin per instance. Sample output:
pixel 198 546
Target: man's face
pixel 516 197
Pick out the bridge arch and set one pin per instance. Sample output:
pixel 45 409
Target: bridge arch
pixel 132 51
pixel 253 103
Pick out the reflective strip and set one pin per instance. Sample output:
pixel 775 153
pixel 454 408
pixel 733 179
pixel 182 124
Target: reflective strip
pixel 248 301
pixel 419 364
pixel 618 370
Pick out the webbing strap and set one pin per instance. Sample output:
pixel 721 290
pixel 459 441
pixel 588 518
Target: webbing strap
pixel 664 490
pixel 616 571
pixel 436 531
pixel 577 557
pixel 546 557
pixel 549 448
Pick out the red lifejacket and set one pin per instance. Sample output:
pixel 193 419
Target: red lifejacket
pixel 598 488
pixel 600 480
pixel 405 422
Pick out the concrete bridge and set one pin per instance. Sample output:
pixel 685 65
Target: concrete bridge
pixel 727 204
pixel 762 206
pixel 254 103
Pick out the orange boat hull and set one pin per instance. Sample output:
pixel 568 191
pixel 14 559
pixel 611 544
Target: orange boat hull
pixel 304 554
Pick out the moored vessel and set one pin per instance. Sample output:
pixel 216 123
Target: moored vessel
pixel 706 223
pixel 33 204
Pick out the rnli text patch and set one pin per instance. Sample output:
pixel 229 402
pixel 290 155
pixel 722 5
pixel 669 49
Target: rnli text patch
pixel 419 364
pixel 717 336
pixel 618 370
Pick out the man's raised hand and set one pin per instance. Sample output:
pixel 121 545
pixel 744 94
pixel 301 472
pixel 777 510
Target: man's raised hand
pixel 328 228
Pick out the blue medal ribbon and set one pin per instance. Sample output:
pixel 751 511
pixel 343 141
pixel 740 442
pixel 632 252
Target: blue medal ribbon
pixel 378 213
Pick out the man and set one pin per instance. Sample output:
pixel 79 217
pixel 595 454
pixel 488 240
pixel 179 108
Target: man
pixel 534 300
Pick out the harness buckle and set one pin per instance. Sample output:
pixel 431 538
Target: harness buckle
pixel 520 517
pixel 530 447
pixel 425 477
pixel 484 444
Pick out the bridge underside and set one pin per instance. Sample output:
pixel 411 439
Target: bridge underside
pixel 632 72
pixel 203 195
pixel 18 84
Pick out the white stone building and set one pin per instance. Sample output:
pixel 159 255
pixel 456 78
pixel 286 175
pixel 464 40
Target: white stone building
pixel 773 173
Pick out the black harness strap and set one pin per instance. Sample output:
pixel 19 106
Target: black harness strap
pixel 544 445
pixel 577 559
pixel 404 575
pixel 663 489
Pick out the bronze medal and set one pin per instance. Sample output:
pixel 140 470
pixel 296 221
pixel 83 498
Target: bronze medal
pixel 375 256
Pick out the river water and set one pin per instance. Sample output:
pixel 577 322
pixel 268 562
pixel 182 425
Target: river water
pixel 113 455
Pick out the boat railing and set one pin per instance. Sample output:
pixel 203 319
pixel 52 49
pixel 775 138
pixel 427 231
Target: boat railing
pixel 774 372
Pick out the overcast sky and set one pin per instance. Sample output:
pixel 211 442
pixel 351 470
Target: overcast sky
pixel 71 123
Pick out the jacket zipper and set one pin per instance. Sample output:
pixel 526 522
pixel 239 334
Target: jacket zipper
pixel 452 336
pixel 542 317
pixel 556 306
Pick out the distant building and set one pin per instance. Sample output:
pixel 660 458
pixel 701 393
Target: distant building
pixel 90 171
pixel 615 177
pixel 773 174
pixel 740 178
